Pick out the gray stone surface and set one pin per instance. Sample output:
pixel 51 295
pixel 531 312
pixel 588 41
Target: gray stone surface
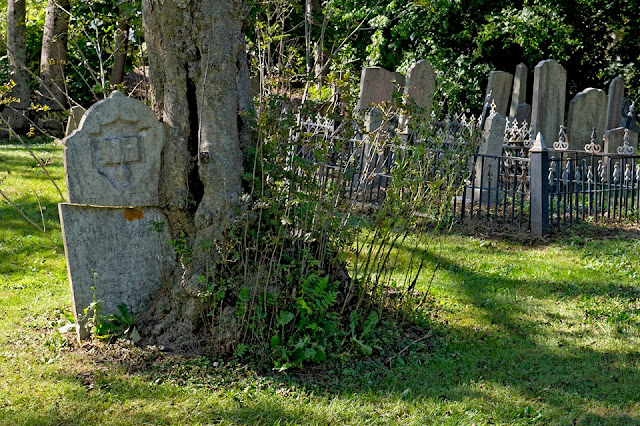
pixel 523 113
pixel 499 85
pixel 75 117
pixel 114 251
pixel 378 85
pixel 419 89
pixel 113 159
pixel 587 109
pixel 615 104
pixel 421 83
pixel 519 92
pixel 614 138
pixel 549 94
pixel 486 171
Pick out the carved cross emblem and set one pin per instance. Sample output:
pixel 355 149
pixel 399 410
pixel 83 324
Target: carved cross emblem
pixel 113 157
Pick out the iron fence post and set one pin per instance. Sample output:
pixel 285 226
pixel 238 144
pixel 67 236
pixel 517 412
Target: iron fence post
pixel 539 187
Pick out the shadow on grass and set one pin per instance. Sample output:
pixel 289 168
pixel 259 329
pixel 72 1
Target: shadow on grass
pixel 512 366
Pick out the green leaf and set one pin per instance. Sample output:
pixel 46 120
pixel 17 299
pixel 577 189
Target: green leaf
pixel 284 318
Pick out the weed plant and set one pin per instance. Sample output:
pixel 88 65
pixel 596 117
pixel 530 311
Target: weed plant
pixel 308 269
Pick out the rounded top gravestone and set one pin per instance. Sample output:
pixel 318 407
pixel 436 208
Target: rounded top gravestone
pixel 113 158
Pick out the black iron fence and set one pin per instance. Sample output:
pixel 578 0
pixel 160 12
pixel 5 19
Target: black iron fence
pixel 529 186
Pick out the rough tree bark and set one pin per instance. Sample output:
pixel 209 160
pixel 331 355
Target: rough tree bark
pixel 52 60
pixel 17 53
pixel 199 84
pixel 316 18
pixel 121 47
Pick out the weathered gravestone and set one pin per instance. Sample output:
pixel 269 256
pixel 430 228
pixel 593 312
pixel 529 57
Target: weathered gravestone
pixel 519 92
pixel 587 110
pixel 115 242
pixel 114 255
pixel 499 90
pixel 523 113
pixel 549 92
pixel 487 166
pixel 114 158
pixel 419 89
pixel 377 85
pixel 615 104
pixel 75 116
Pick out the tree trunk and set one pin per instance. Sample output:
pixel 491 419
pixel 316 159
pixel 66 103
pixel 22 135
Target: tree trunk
pixel 52 61
pixel 17 53
pixel 121 48
pixel 316 20
pixel 199 83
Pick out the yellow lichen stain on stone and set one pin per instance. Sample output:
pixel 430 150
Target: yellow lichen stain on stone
pixel 133 214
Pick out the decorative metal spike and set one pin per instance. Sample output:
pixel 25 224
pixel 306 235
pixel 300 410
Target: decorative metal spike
pixel 627 174
pixel 592 147
pixel 589 175
pixel 562 144
pixel 616 173
pixel 602 172
pixel 626 148
pixel 493 107
pixel 551 177
pixel 566 173
pixel 577 175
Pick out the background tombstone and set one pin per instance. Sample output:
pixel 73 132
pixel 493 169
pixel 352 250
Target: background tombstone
pixel 377 85
pixel 419 89
pixel 113 159
pixel 116 246
pixel 615 104
pixel 499 86
pixel 587 109
pixel 549 93
pixel 519 92
pixel 75 117
pixel 523 113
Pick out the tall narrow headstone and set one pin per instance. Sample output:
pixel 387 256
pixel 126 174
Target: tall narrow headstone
pixel 487 165
pixel 499 86
pixel 587 110
pixel 377 85
pixel 615 104
pixel 549 93
pixel 419 89
pixel 115 236
pixel 519 92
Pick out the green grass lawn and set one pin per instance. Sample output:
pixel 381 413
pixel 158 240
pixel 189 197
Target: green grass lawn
pixel 529 332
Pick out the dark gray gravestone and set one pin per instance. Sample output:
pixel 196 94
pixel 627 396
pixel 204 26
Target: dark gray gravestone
pixel 615 104
pixel 519 92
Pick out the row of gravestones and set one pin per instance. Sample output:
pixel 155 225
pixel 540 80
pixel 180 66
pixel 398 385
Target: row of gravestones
pixel 609 114
pixel 507 94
